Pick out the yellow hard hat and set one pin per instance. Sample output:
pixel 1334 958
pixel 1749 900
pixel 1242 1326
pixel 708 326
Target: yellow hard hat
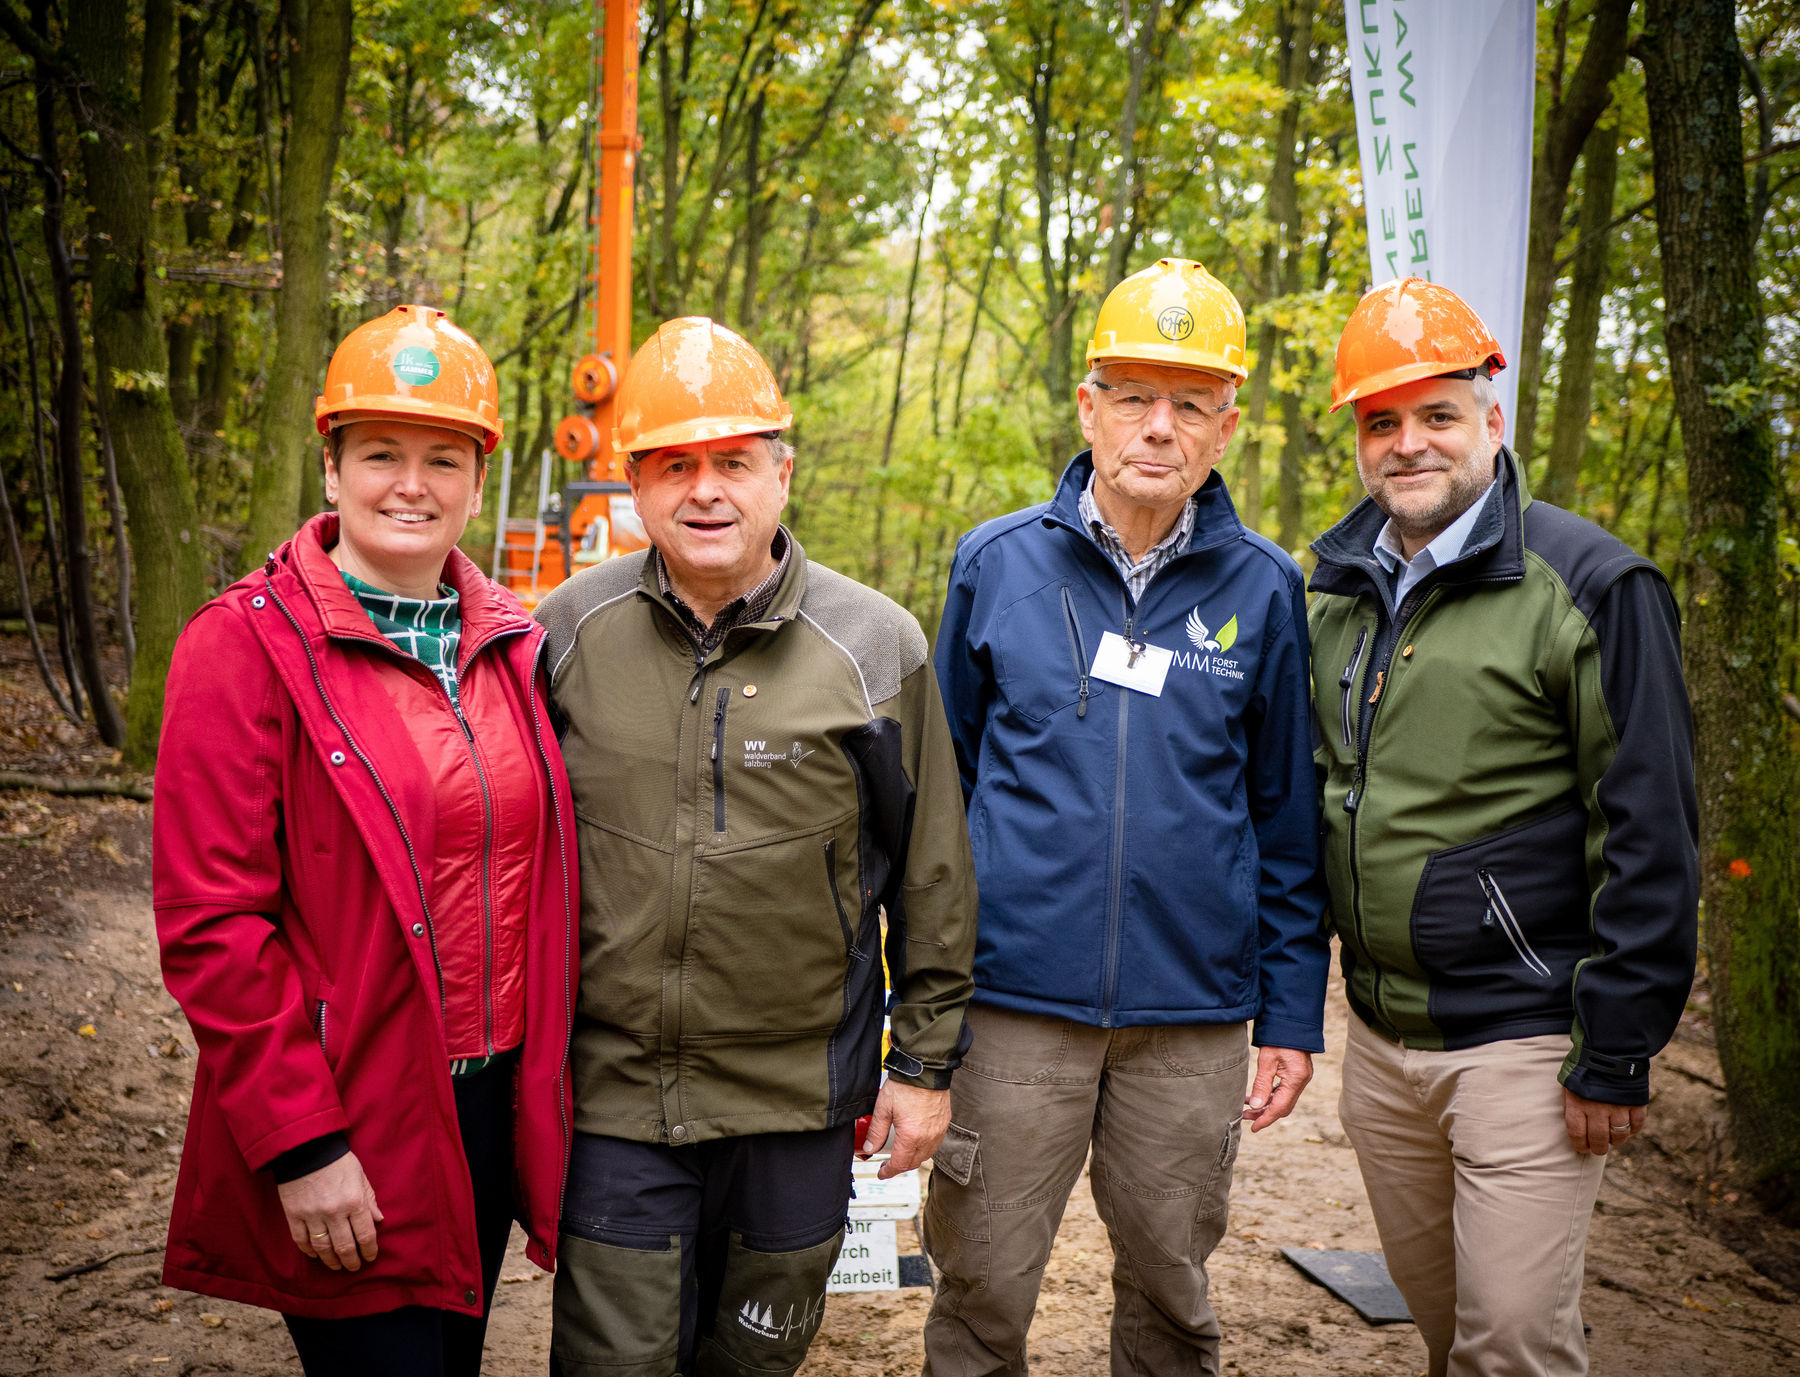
pixel 1174 312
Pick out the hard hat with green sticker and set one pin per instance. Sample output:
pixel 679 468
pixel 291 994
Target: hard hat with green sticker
pixel 416 365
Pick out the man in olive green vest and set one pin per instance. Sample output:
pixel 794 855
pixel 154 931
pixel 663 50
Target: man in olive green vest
pixel 761 775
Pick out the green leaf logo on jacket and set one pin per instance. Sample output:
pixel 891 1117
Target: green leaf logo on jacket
pixel 1204 640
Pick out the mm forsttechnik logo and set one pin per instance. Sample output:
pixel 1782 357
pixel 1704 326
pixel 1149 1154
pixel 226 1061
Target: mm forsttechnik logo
pixel 1175 323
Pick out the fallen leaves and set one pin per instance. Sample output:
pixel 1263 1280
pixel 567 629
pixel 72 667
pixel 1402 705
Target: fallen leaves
pixel 87 1030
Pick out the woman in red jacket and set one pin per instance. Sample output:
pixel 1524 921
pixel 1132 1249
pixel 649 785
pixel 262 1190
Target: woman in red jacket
pixel 364 877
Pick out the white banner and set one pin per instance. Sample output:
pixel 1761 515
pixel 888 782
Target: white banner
pixel 1443 93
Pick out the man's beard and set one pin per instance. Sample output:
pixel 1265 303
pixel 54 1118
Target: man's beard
pixel 1469 477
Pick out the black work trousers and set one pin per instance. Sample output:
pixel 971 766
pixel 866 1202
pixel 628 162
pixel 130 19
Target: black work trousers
pixel 708 1259
pixel 418 1340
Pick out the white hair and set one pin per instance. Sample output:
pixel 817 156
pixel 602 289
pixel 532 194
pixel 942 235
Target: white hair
pixel 1481 388
pixel 1487 396
pixel 1227 387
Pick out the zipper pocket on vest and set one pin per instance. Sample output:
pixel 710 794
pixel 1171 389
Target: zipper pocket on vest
pixel 718 760
pixel 1072 624
pixel 1509 924
pixel 1348 678
pixel 837 902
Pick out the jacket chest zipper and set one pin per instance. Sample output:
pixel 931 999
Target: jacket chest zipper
pixel 487 875
pixel 1347 682
pixel 1078 649
pixel 718 757
pixel 1115 889
pixel 562 856
pixel 1380 658
pixel 412 855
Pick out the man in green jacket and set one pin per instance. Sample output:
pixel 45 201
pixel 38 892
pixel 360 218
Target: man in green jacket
pixel 761 773
pixel 1507 762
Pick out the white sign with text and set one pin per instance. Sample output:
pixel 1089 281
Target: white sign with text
pixel 1444 104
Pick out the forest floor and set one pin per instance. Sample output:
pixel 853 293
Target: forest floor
pixel 1684 1273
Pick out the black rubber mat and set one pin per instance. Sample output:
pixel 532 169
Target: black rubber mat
pixel 1360 1280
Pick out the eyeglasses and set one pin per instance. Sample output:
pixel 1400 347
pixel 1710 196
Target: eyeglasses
pixel 1131 402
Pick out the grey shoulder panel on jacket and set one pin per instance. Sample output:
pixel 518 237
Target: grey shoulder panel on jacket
pixel 567 606
pixel 1587 558
pixel 881 637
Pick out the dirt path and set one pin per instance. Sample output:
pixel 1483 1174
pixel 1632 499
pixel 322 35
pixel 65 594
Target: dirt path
pixel 96 1064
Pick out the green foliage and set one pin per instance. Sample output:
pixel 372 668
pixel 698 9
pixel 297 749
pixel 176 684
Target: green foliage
pixel 792 155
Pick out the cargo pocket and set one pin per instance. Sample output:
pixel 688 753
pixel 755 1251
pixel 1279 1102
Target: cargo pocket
pixel 770 1305
pixel 616 1311
pixel 958 1233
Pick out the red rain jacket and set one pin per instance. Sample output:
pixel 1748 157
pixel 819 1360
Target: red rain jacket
pixel 295 829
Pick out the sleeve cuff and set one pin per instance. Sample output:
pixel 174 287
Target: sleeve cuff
pixel 309 1157
pixel 1608 1080
pixel 1286 1032
pixel 909 1070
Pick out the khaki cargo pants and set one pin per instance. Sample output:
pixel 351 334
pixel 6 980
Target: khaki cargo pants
pixel 1160 1109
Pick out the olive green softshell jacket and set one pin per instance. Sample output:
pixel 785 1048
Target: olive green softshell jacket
pixel 743 821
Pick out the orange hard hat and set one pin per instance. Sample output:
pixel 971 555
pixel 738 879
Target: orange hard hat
pixel 1173 312
pixel 695 380
pixel 412 365
pixel 1409 329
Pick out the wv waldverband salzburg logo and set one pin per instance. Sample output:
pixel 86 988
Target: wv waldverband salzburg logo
pixel 758 756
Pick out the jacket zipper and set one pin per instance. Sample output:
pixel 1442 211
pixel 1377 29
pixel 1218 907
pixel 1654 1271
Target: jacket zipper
pixel 1381 655
pixel 718 758
pixel 1509 924
pixel 1347 681
pixel 323 1049
pixel 836 901
pixel 487 875
pixel 1115 888
pixel 1381 659
pixel 412 855
pixel 562 856
pixel 1076 648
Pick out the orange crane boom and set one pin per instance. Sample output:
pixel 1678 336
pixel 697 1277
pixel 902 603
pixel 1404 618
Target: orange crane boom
pixel 594 517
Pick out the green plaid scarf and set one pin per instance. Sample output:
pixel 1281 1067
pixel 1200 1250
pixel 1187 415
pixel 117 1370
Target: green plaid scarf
pixel 428 630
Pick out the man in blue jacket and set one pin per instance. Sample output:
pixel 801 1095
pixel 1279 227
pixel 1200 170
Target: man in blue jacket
pixel 1125 673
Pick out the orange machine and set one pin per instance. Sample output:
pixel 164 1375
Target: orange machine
pixel 594 518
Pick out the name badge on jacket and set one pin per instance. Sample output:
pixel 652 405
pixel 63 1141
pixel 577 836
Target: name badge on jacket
pixel 1132 664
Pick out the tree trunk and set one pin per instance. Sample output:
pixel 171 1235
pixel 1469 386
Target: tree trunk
pixel 1572 115
pixel 1289 509
pixel 1587 291
pixel 63 701
pixel 49 166
pixel 1745 753
pixel 1125 178
pixel 321 70
pixel 1281 250
pixel 131 361
pixel 70 397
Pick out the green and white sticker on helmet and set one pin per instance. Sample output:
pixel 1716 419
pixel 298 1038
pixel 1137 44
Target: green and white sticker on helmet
pixel 416 365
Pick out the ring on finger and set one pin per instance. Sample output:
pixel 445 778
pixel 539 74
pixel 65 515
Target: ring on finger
pixel 321 1235
pixel 1619 1128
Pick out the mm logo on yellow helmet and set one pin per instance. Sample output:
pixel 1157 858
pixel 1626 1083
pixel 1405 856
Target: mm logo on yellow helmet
pixel 1176 323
